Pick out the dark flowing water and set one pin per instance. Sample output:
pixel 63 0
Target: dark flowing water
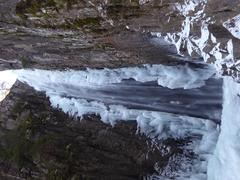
pixel 203 102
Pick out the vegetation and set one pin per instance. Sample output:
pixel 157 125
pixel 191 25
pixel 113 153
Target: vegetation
pixel 124 2
pixel 26 62
pixel 47 11
pixel 34 146
pixel 34 6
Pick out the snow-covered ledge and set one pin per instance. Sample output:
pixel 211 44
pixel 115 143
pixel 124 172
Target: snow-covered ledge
pixel 225 164
pixel 233 26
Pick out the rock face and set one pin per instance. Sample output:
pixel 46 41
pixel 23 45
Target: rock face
pixel 60 34
pixel 54 34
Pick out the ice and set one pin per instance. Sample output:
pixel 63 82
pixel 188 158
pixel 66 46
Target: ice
pixel 225 162
pixel 167 76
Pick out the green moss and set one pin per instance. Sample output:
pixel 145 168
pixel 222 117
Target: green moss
pixel 116 2
pixel 23 145
pixel 17 109
pixel 35 6
pixel 20 149
pixel 53 174
pixel 28 6
pixel 26 62
pixel 124 2
pixel 39 144
pixel 90 23
pixel 122 11
pixel 87 21
pixel 22 16
pixel 103 46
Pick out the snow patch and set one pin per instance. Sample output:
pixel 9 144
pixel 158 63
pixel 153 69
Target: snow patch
pixel 233 26
pixel 225 162
pixel 142 2
pixel 7 79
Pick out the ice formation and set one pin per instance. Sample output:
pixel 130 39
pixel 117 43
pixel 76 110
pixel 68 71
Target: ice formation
pixel 225 162
pixel 167 76
pixel 152 123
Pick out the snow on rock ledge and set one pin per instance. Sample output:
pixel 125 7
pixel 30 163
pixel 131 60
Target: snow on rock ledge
pixel 204 44
pixel 233 26
pixel 167 76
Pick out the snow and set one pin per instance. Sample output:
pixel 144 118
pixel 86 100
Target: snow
pixel 189 9
pixel 167 76
pixel 187 6
pixel 142 2
pixel 7 79
pixel 233 26
pixel 225 162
